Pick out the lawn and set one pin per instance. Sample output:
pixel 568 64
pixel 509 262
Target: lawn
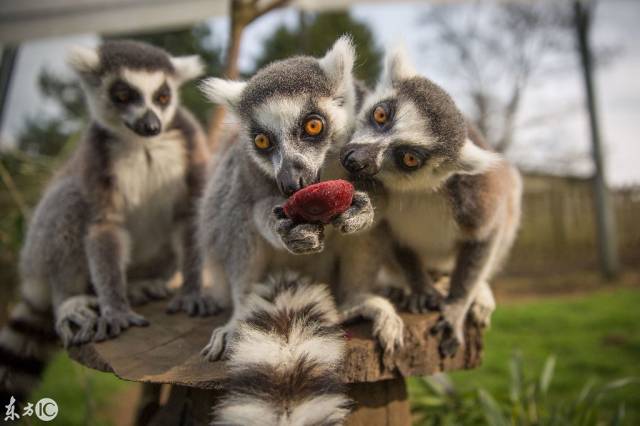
pixel 594 337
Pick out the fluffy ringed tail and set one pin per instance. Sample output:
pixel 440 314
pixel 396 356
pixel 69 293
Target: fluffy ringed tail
pixel 27 342
pixel 284 359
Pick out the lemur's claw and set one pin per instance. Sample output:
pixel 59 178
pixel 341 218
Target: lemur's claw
pixel 217 347
pixel 76 320
pixel 357 217
pixel 194 304
pixel 112 322
pixel 389 331
pixel 425 301
pixel 448 347
pixel 449 343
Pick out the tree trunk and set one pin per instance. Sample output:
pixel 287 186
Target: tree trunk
pixel 605 219
pixel 241 14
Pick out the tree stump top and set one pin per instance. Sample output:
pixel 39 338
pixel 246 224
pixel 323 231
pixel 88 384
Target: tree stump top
pixel 168 351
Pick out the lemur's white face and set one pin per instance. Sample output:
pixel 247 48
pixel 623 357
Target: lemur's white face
pixel 132 101
pixel 409 134
pixel 142 102
pixel 294 113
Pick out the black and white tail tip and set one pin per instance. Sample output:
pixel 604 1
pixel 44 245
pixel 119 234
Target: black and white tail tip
pixel 284 359
pixel 27 342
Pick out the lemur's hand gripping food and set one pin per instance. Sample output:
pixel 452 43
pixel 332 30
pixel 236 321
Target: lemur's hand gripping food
pixel 321 202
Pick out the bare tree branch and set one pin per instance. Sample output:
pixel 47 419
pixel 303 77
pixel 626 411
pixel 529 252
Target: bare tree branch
pixel 243 13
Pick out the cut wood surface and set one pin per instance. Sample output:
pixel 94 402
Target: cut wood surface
pixel 168 351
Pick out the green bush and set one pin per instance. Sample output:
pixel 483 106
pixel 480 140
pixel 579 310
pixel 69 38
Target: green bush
pixel 437 401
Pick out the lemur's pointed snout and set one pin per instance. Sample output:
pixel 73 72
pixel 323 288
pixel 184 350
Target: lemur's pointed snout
pixel 292 177
pixel 147 125
pixel 360 159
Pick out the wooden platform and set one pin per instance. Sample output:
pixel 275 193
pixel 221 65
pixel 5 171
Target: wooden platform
pixel 167 352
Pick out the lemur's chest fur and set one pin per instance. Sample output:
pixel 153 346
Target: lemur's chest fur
pixel 150 178
pixel 423 223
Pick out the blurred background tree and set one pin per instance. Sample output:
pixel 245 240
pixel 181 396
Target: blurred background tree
pixel 315 34
pixel 499 50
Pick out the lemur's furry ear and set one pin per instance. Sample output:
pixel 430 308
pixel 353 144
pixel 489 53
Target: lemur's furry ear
pixel 397 66
pixel 188 67
pixel 475 160
pixel 84 60
pixel 223 92
pixel 338 62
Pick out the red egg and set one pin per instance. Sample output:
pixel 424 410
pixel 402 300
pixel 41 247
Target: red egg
pixel 320 202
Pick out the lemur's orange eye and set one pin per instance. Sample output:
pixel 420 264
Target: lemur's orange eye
pixel 313 127
pixel 380 115
pixel 163 99
pixel 410 160
pixel 262 141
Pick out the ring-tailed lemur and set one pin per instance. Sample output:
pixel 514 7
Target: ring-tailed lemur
pixel 284 359
pixel 296 114
pixel 412 139
pixel 120 210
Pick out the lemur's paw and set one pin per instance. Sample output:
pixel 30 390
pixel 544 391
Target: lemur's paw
pixel 481 314
pixel 356 218
pixel 218 343
pixel 451 328
pixel 483 306
pixel 76 320
pixel 194 304
pixel 425 301
pixel 141 292
pixel 299 238
pixel 112 322
pixel 389 330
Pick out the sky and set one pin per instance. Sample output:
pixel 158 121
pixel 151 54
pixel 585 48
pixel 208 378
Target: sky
pixel 563 139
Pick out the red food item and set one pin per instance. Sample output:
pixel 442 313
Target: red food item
pixel 320 202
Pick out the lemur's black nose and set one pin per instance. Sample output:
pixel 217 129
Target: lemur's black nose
pixel 148 124
pixel 290 179
pixel 361 160
pixel 351 163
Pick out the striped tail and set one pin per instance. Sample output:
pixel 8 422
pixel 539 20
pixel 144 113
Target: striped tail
pixel 284 359
pixel 27 342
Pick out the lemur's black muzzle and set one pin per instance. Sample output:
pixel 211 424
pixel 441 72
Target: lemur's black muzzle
pixel 147 125
pixel 293 177
pixel 360 159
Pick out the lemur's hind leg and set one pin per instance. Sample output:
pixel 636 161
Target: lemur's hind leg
pixel 141 292
pixel 359 263
pixel 149 281
pixel 423 296
pixel 242 276
pixel 473 265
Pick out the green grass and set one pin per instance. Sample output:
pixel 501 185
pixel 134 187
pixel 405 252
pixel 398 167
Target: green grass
pixel 594 337
pixel 80 392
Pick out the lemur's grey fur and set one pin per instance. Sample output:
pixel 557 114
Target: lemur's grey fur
pixel 244 234
pixel 455 169
pixel 120 210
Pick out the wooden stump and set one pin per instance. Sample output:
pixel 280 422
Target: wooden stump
pixel 167 352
